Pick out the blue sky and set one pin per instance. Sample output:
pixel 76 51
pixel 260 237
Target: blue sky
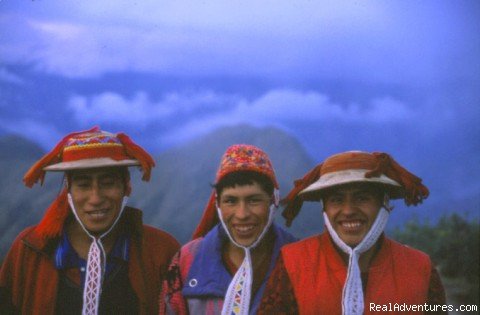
pixel 395 76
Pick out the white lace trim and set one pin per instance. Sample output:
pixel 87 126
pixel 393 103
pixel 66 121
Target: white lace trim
pixel 238 295
pixel 96 263
pixel 352 297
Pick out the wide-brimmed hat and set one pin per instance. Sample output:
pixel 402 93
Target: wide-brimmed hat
pixel 88 149
pixel 92 148
pixel 348 168
pixel 238 157
pixel 355 167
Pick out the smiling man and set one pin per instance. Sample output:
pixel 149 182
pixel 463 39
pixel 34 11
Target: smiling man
pixel 90 253
pixel 353 268
pixel 351 210
pixel 224 269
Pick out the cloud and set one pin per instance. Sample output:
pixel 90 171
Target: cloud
pixel 140 110
pixel 287 108
pixel 188 114
pixel 369 41
pixel 73 50
pixel 288 105
pixel 387 109
pixel 112 107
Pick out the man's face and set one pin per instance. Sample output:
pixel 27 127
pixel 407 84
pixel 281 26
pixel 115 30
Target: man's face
pixel 352 210
pixel 97 196
pixel 245 211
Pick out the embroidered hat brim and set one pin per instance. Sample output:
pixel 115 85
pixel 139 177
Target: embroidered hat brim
pixel 350 176
pixel 90 163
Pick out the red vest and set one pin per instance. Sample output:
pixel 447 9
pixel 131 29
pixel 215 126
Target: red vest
pixel 397 274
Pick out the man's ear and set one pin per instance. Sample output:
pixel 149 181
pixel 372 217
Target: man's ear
pixel 128 188
pixel 67 178
pixel 386 202
pixel 276 197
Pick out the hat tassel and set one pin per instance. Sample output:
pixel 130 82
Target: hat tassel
pixel 140 154
pixel 209 218
pixel 36 172
pixel 293 201
pixel 52 222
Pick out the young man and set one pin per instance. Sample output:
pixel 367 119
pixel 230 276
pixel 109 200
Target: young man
pixel 353 268
pixel 90 253
pixel 224 269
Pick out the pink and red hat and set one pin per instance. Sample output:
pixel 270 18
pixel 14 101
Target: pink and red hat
pixel 238 157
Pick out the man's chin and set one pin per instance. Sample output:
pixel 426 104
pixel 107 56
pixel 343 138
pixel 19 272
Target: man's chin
pixel 245 242
pixel 97 231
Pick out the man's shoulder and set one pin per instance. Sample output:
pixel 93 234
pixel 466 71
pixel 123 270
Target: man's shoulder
pixel 408 262
pixel 29 236
pixel 156 235
pixel 303 244
pixel 399 249
pixel 28 231
pixel 153 236
pixel 26 241
pixel 193 243
pixel 283 235
pixel 190 249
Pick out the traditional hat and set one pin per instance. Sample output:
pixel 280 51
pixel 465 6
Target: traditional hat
pixel 238 157
pixel 354 167
pixel 92 148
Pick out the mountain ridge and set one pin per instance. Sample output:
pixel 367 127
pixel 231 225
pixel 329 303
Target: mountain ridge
pixel 181 184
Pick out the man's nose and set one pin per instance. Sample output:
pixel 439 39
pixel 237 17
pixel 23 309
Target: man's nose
pixel 96 195
pixel 349 207
pixel 242 211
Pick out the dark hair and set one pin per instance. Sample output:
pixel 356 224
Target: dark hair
pixel 243 178
pixel 377 189
pixel 122 171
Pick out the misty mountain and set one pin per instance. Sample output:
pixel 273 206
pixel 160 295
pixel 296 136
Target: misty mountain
pixel 180 186
pixel 20 205
pixel 14 147
pixel 175 197
pixel 181 182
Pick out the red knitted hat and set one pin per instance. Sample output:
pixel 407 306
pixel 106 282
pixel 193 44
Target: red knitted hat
pixel 352 167
pixel 238 157
pixel 84 150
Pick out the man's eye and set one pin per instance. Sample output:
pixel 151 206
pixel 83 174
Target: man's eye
pixel 82 183
pixel 254 201
pixel 363 198
pixel 108 183
pixel 335 200
pixel 229 201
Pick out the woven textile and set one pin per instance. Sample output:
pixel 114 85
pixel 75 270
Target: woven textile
pixel 87 149
pixel 238 157
pixel 244 157
pixel 94 144
pixel 239 292
pixel 96 263
pixel 93 281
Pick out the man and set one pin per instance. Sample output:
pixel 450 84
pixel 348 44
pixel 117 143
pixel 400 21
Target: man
pixel 352 268
pixel 224 269
pixel 90 253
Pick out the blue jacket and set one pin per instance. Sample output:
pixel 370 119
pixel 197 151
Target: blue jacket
pixel 208 277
